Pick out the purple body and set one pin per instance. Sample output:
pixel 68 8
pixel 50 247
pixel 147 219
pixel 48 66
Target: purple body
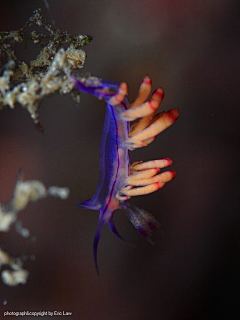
pixel 114 164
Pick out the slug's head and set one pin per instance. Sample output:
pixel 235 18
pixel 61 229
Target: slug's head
pixel 102 89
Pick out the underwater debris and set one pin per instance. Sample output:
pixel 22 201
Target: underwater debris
pixel 24 192
pixel 16 274
pixel 27 84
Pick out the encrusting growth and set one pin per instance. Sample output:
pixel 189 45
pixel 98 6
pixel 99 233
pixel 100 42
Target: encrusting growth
pixel 27 84
pixel 24 192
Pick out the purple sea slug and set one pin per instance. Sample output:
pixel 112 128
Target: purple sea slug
pixel 118 181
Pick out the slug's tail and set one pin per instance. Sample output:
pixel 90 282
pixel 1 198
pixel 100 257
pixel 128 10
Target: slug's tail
pixel 142 220
pixel 100 226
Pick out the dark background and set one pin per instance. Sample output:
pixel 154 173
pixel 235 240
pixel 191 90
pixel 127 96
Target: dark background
pixel 190 48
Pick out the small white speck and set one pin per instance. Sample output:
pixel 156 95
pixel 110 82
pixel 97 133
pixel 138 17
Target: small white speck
pixel 4 302
pixel 212 114
pixel 62 193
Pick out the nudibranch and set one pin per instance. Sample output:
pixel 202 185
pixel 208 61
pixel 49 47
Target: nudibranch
pixel 118 181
